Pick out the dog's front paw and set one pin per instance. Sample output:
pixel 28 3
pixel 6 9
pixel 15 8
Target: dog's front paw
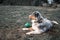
pixel 24 28
pixel 27 33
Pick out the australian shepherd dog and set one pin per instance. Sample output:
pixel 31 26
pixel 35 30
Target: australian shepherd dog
pixel 39 24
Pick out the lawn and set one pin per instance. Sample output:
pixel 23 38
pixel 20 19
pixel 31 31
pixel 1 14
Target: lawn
pixel 13 18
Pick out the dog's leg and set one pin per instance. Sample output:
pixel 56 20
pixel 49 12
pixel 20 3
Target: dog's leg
pixel 34 32
pixel 27 29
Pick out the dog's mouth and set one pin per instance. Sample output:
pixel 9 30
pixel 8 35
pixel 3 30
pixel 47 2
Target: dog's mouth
pixel 32 17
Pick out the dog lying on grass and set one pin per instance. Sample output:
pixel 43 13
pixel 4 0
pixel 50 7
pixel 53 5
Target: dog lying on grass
pixel 39 23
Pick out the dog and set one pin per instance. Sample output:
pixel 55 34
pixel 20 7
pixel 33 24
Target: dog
pixel 39 24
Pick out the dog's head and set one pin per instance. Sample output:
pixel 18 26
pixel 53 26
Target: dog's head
pixel 35 16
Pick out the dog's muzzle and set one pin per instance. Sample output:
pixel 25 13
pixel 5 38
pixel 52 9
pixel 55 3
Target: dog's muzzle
pixel 32 17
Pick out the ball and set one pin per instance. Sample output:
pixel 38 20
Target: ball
pixel 27 25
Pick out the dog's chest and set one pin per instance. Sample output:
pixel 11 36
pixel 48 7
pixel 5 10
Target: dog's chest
pixel 34 23
pixel 35 26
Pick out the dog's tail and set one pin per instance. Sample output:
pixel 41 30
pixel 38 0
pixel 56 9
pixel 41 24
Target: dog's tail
pixel 55 22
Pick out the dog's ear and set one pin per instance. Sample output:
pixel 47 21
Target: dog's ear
pixel 39 18
pixel 36 13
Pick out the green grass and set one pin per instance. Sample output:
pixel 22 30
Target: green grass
pixel 13 18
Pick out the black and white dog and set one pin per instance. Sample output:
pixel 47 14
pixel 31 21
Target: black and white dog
pixel 39 23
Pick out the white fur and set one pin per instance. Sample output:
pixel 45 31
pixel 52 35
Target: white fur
pixel 55 22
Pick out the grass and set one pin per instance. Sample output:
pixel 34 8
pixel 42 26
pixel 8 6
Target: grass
pixel 13 18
